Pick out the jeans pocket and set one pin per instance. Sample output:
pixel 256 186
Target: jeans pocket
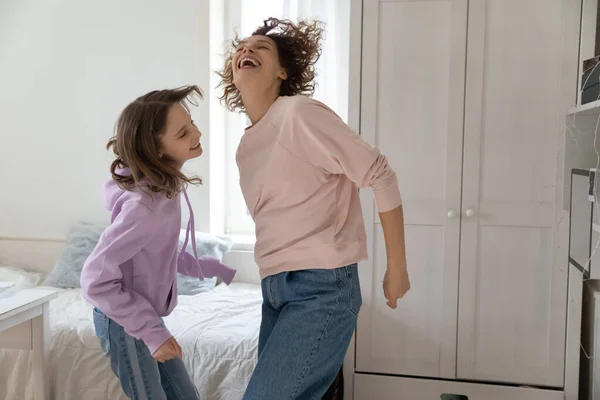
pixel 102 327
pixel 354 296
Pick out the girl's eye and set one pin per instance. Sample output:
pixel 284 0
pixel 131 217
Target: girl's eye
pixel 184 134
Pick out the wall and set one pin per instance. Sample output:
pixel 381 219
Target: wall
pixel 67 68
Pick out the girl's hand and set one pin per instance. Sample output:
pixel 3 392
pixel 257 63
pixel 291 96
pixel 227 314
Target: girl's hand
pixel 395 284
pixel 168 350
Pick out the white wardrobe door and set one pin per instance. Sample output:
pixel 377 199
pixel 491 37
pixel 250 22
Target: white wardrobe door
pixel 412 109
pixel 512 295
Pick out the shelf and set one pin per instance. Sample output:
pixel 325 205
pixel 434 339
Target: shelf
pixel 592 108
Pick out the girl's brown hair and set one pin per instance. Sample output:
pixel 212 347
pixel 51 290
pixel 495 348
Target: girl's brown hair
pixel 137 142
pixel 299 48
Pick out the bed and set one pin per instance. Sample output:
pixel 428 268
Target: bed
pixel 217 330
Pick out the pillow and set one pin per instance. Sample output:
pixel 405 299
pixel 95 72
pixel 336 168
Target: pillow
pixel 206 245
pixel 22 279
pixel 81 241
pixel 84 236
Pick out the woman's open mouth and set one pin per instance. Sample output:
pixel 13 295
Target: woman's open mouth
pixel 247 63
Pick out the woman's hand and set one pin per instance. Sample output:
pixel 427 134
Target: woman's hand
pixel 395 284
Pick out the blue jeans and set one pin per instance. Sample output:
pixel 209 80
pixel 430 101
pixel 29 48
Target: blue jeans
pixel 308 318
pixel 141 376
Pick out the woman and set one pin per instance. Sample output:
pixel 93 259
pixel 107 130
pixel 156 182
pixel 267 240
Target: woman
pixel 300 166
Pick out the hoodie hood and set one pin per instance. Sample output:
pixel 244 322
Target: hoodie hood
pixel 112 194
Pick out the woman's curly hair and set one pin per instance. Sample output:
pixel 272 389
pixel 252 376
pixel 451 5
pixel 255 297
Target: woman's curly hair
pixel 299 48
pixel 137 143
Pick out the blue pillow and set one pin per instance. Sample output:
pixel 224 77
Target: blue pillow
pixel 84 236
pixel 81 241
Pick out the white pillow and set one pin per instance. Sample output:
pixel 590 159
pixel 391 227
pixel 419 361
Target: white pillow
pixel 23 279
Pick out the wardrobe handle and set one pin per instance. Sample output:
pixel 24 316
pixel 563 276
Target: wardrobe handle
pixel 470 212
pixel 451 213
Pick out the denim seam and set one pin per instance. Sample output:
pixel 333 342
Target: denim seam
pixel 318 344
pixel 352 306
pixel 165 371
pixel 270 289
pixel 131 361
pixel 143 373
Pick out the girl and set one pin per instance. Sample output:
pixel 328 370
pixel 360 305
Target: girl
pixel 131 275
pixel 300 166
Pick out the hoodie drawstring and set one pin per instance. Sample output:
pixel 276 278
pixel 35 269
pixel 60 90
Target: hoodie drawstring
pixel 191 227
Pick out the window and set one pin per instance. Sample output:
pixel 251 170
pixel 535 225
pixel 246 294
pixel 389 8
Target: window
pixel 242 17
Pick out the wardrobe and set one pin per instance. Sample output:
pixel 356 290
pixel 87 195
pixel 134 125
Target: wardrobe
pixel 467 100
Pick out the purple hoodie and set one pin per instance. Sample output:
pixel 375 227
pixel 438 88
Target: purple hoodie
pixel 131 274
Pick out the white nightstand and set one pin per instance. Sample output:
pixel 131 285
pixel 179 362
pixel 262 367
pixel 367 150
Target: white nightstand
pixel 24 325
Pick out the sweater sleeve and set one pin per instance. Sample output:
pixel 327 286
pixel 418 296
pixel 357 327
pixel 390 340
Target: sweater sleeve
pixel 211 267
pixel 315 134
pixel 101 276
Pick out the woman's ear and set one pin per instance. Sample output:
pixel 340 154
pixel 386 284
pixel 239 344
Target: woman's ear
pixel 283 75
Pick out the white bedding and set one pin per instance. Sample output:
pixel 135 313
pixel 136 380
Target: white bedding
pixel 218 333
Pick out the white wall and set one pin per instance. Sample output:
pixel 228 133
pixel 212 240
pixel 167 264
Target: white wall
pixel 67 68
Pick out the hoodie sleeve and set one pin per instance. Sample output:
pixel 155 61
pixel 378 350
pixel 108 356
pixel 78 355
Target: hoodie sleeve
pixel 101 276
pixel 211 267
pixel 315 134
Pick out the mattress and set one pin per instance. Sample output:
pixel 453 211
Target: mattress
pixel 217 331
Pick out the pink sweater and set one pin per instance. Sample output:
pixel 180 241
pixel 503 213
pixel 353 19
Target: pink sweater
pixel 300 166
